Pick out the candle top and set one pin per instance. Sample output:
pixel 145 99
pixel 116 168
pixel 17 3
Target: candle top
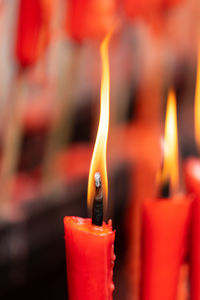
pixel 85 225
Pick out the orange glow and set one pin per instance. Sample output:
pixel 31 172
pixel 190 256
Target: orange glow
pixel 98 163
pixel 170 167
pixel 197 104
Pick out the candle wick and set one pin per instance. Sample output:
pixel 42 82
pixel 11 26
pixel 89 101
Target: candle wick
pixel 164 186
pixel 97 212
pixel 97 179
pixel 165 189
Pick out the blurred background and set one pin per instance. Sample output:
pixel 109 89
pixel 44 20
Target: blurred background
pixel 49 112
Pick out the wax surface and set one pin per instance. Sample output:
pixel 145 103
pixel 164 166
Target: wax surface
pixel 142 8
pixel 90 259
pixel 145 8
pixel 165 230
pixel 32 30
pixel 89 19
pixel 192 180
pixel 74 162
pixel 192 175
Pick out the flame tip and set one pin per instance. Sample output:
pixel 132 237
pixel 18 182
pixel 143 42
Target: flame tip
pixel 197 102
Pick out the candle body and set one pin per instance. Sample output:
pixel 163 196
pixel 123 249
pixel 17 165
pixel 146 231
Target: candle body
pixel 90 259
pixel 143 8
pixel 192 175
pixel 165 229
pixel 31 35
pixel 192 180
pixel 89 19
pixel 168 4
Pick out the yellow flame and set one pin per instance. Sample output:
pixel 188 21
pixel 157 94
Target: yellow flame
pixel 170 167
pixel 98 163
pixel 197 104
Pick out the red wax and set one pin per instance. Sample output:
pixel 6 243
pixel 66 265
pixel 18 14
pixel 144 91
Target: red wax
pixel 73 163
pixel 192 180
pixel 167 4
pixel 37 116
pixel 143 8
pixel 89 19
pixel 165 229
pixel 90 259
pixel 192 175
pixel 25 187
pixel 32 30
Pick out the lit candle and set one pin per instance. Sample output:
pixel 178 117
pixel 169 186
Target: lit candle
pixel 192 180
pixel 90 242
pixel 165 223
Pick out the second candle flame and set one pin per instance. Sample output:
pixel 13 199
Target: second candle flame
pixel 197 104
pixel 98 163
pixel 170 167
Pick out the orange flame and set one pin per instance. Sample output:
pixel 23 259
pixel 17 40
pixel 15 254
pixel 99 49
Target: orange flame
pixel 197 104
pixel 98 163
pixel 170 167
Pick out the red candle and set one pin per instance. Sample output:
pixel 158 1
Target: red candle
pixel 192 175
pixel 167 4
pixel 134 9
pixel 89 19
pixel 192 181
pixel 74 162
pixel 165 231
pixel 90 242
pixel 32 30
pixel 90 259
pixel 152 11
pixel 165 223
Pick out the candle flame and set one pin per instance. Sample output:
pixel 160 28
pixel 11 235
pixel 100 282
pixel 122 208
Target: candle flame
pixel 197 104
pixel 98 163
pixel 170 165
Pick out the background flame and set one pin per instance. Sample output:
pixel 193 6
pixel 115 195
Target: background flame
pixel 170 167
pixel 197 104
pixel 98 163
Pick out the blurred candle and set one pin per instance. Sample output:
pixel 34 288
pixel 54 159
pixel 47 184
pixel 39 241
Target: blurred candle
pixel 149 10
pixel 168 4
pixel 192 180
pixel 165 223
pixel 142 9
pixel 32 30
pixel 89 19
pixel 165 229
pixel 90 242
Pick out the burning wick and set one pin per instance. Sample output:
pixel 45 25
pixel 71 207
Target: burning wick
pixel 164 191
pixel 97 212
